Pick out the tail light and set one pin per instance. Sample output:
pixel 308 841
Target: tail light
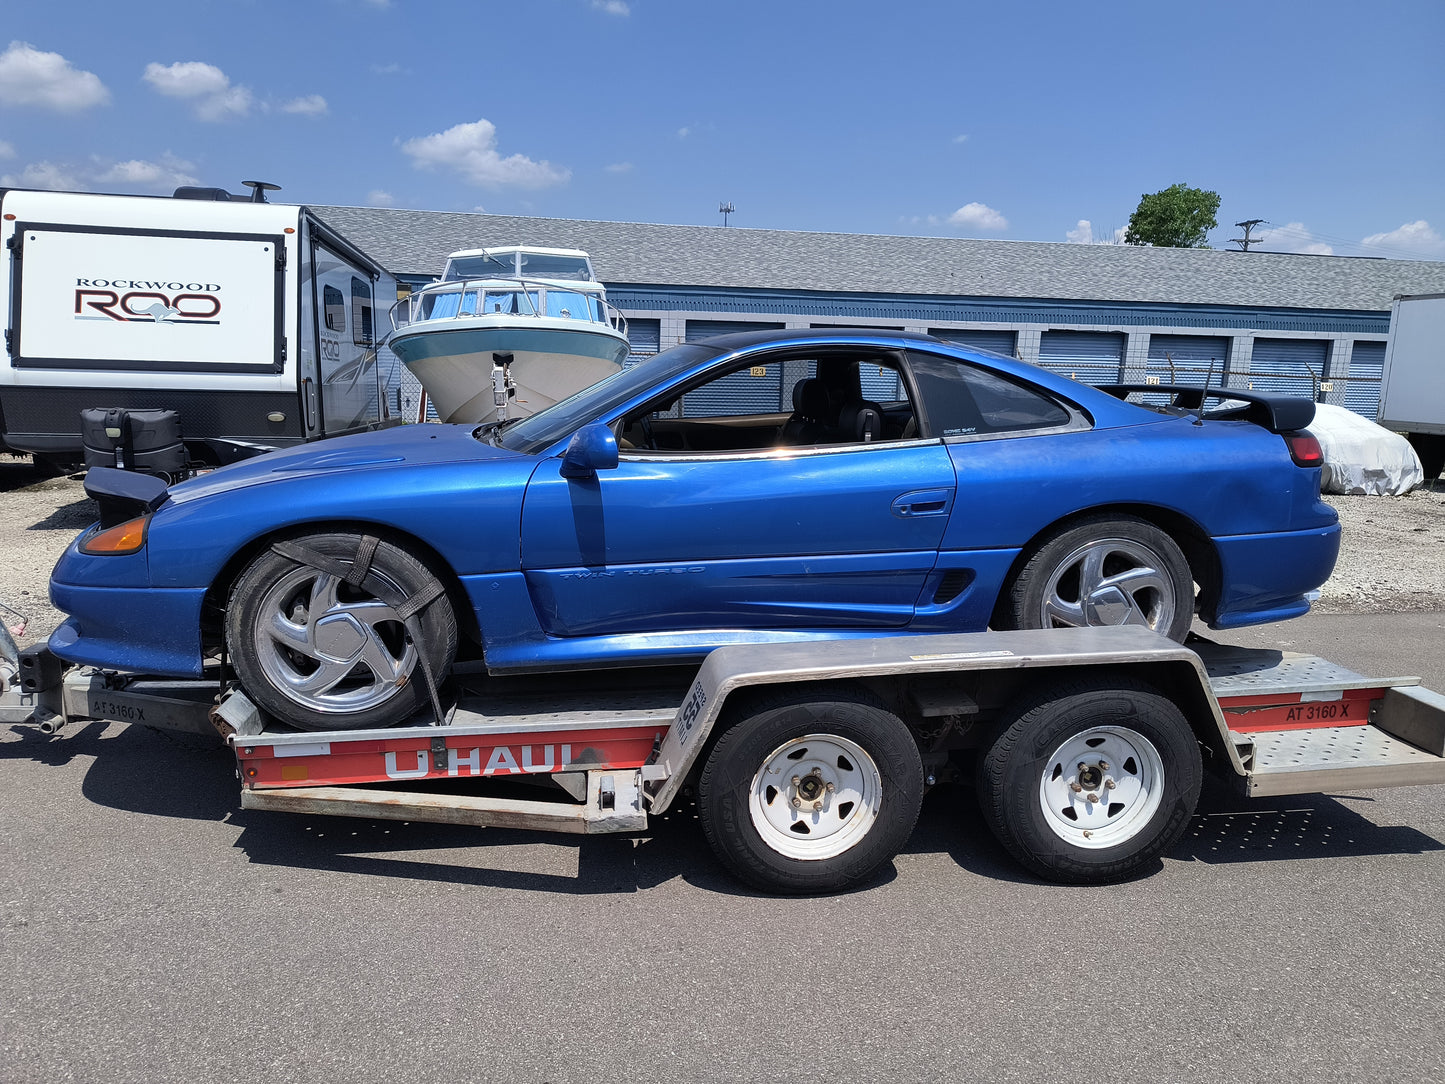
pixel 1304 448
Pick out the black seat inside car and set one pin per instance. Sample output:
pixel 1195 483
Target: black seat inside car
pixel 812 411
pixel 859 420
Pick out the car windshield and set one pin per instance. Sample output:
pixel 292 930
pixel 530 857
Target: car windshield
pixel 548 426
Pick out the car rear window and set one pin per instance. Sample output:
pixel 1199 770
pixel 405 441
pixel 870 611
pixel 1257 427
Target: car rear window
pixel 964 400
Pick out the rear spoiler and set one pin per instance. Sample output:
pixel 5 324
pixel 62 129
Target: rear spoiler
pixel 124 494
pixel 1277 413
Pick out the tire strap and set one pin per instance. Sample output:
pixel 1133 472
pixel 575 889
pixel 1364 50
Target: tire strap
pixel 407 608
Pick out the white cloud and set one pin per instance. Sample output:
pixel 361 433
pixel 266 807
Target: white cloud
pixel 611 7
pixel 48 175
pixel 205 86
pixel 311 105
pixel 6 150
pixel 132 175
pixel 960 139
pixel 471 150
pixel 30 77
pixel 389 69
pixel 378 197
pixel 163 176
pixel 919 220
pixel 618 167
pixel 1417 239
pixel 978 216
pixel 1292 237
pixel 683 133
pixel 1083 234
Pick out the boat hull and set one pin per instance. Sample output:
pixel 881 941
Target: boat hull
pixel 549 363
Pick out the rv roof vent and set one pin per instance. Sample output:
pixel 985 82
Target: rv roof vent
pixel 189 191
pixel 259 189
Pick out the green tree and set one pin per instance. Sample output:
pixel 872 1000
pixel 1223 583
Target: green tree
pixel 1178 217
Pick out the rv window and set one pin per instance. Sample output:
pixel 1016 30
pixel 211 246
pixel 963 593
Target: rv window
pixel 334 306
pixel 361 312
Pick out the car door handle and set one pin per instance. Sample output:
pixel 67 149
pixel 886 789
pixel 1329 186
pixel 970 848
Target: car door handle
pixel 922 502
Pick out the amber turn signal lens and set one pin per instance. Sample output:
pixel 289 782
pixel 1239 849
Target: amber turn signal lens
pixel 125 537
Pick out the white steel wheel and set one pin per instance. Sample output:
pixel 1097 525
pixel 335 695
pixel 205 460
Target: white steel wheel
pixel 815 796
pixel 1101 788
pixel 810 790
pixel 1091 780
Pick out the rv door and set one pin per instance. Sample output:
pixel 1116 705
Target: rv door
pixel 344 379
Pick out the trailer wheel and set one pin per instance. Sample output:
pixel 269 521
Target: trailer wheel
pixel 1091 782
pixel 807 795
pixel 322 654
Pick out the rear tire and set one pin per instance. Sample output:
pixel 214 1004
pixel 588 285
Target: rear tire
pixel 1090 782
pixel 1102 570
pixel 321 654
pixel 806 796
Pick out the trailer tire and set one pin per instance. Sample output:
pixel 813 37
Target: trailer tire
pixel 848 754
pixel 1118 742
pixel 322 654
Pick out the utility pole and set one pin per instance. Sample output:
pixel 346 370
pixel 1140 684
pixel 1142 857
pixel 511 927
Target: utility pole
pixel 726 209
pixel 1245 241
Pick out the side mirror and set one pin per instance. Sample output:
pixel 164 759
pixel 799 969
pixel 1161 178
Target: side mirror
pixel 592 448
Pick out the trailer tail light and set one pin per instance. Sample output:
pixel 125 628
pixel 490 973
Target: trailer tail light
pixel 1304 448
pixel 127 537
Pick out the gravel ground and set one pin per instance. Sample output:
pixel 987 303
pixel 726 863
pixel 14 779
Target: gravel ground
pixel 1393 557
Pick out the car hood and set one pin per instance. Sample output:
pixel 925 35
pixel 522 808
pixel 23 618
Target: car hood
pixel 415 445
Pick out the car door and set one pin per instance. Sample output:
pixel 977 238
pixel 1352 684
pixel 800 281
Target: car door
pixel 839 535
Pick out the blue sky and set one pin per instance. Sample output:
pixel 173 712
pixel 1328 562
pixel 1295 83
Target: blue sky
pixel 1041 121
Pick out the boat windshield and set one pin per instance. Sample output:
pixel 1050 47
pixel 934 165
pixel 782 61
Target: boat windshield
pixel 547 427
pixel 547 265
pixel 483 266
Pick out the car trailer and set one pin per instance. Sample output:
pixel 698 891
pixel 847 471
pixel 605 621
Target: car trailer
pixel 808 760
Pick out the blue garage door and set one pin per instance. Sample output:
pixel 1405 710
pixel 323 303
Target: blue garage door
pixel 1000 342
pixel 1188 359
pixel 698 330
pixel 1288 366
pixel 644 339
pixel 747 392
pixel 1362 390
pixel 1091 357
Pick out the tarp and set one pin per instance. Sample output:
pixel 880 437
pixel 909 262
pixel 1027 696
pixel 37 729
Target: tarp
pixel 1362 457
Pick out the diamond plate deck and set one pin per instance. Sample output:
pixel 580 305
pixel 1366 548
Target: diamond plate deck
pixel 1238 671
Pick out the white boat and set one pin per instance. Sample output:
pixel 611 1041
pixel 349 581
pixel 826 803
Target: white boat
pixel 537 315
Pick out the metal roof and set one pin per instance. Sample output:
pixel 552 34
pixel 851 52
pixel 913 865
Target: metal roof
pixel 410 242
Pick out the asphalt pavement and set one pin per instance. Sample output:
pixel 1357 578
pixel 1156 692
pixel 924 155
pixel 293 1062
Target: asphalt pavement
pixel 155 932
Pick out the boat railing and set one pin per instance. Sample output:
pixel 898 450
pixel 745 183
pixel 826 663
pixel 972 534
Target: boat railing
pixel 407 310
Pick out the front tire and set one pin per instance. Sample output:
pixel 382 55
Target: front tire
pixel 1102 570
pixel 1092 781
pixel 807 796
pixel 322 654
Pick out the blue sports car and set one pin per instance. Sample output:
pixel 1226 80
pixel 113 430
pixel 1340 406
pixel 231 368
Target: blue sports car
pixel 764 486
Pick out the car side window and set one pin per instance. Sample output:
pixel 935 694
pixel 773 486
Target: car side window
pixel 772 402
pixel 964 400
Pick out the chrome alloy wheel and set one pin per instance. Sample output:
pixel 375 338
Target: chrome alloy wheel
pixel 328 646
pixel 815 796
pixel 1109 581
pixel 1102 787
